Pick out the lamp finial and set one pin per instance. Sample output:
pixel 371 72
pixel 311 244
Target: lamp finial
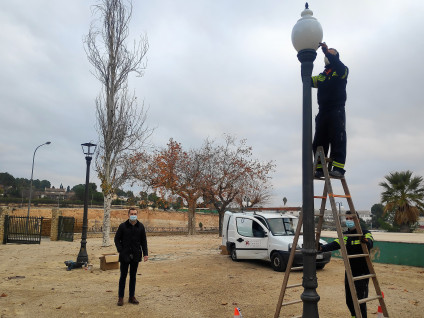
pixel 306 5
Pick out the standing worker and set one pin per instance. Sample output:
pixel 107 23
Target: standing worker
pixel 330 123
pixel 358 265
pixel 131 243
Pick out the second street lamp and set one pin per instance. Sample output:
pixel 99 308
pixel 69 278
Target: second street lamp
pixel 88 149
pixel 306 36
pixel 32 173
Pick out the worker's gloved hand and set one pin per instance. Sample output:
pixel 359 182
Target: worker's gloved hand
pixel 364 239
pixel 324 47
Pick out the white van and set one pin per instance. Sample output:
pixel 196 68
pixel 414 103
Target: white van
pixel 265 236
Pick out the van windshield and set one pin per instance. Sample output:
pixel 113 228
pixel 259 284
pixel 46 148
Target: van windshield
pixel 281 226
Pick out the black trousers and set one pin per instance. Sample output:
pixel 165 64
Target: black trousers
pixel 330 129
pixel 124 272
pixel 361 287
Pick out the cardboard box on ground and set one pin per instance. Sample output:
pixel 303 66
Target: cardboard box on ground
pixel 109 261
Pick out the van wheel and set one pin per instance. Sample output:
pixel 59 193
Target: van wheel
pixel 320 266
pixel 234 254
pixel 277 262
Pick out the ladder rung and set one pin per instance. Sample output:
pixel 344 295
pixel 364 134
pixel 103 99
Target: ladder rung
pixel 364 300
pixel 363 277
pixel 344 214
pixel 294 285
pixel 318 214
pixel 319 197
pixel 297 316
pixel 292 302
pixel 298 267
pixel 338 195
pixel 358 255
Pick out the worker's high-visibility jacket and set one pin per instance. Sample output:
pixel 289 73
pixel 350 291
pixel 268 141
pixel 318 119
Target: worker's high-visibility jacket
pixel 353 246
pixel 331 84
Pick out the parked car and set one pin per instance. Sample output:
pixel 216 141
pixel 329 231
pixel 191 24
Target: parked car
pixel 265 236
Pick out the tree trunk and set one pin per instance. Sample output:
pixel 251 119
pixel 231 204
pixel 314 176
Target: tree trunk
pixel 106 220
pixel 192 217
pixel 405 228
pixel 221 220
pixel 221 211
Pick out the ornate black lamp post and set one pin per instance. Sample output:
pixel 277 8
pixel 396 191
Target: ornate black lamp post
pixel 88 149
pixel 32 174
pixel 306 36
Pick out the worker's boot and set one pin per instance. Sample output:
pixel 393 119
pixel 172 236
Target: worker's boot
pixel 319 174
pixel 120 301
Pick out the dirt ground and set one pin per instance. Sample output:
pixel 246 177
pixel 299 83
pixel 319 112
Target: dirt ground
pixel 186 276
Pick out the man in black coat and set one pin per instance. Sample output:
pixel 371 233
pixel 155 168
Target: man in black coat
pixel 358 265
pixel 131 243
pixel 330 123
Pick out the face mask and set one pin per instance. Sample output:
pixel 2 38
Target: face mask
pixel 350 223
pixel 133 217
pixel 326 61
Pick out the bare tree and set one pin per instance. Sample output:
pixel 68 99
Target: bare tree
pixel 254 192
pixel 120 123
pixel 230 173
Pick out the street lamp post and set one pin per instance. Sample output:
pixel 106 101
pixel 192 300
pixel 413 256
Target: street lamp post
pixel 340 204
pixel 306 36
pixel 32 174
pixel 88 149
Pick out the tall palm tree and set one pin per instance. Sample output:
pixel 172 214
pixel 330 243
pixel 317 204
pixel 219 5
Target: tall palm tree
pixel 403 195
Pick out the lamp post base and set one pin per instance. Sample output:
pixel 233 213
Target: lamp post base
pixel 82 257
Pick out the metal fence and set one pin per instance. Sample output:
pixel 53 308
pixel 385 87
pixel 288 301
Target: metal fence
pixel 22 229
pixel 66 229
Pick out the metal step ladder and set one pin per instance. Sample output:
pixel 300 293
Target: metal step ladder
pixel 322 161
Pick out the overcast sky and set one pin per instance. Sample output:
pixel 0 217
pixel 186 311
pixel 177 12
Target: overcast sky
pixel 215 67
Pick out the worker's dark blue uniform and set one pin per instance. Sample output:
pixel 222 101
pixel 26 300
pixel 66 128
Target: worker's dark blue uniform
pixel 357 265
pixel 330 123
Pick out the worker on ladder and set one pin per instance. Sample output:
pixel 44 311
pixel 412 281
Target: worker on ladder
pixel 330 123
pixel 358 265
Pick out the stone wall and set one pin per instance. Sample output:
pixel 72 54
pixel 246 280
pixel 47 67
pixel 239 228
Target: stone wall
pixel 150 218
pixel 3 212
pixel 54 226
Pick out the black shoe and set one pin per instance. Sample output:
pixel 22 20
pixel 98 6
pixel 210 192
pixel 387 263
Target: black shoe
pixel 319 174
pixel 133 300
pixel 337 174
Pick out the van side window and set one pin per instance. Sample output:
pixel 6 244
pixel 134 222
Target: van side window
pixel 244 227
pixel 262 221
pixel 249 228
